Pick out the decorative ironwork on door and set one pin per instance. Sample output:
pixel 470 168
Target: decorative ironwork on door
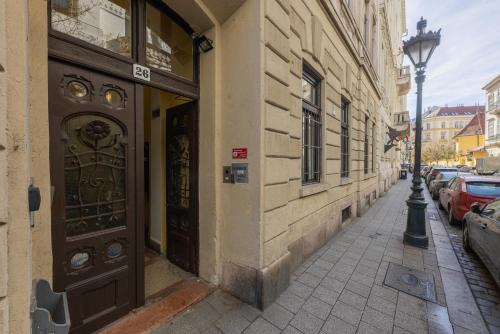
pixel 95 174
pixel 179 171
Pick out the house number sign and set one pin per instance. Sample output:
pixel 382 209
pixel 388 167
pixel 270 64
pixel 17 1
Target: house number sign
pixel 142 72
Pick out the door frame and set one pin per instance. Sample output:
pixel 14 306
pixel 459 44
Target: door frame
pixel 68 49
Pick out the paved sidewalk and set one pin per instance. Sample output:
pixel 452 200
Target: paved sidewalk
pixel 340 288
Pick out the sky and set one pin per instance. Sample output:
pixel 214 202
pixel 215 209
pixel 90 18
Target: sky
pixel 468 56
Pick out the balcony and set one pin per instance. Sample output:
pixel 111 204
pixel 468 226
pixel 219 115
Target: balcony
pixel 404 80
pixel 494 108
pixel 401 119
pixel 492 141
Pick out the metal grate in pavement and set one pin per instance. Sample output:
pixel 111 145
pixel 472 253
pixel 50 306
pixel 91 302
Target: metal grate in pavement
pixel 414 282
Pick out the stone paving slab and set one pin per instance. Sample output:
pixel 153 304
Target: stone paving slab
pixel 340 289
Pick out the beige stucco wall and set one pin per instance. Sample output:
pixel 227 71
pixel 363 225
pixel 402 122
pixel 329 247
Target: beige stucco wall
pixel 24 134
pixel 240 214
pixel 4 307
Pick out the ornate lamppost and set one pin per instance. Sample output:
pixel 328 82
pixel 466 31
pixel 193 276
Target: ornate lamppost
pixel 419 49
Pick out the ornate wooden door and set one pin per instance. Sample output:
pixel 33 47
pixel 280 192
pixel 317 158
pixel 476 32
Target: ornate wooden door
pixel 182 189
pixel 92 154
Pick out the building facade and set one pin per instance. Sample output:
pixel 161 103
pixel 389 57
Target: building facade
pixel 492 92
pixel 234 163
pixel 441 124
pixel 469 142
pixel 402 123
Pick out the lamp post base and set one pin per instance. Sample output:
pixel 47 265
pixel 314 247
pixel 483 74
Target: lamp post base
pixel 421 241
pixel 415 224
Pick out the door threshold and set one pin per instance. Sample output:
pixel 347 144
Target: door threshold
pixel 158 311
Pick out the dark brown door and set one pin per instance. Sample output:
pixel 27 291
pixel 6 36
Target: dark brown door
pixel 182 190
pixel 92 155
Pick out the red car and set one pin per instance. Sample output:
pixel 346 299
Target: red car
pixel 464 190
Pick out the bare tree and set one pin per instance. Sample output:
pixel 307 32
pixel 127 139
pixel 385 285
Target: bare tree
pixel 436 153
pixel 66 14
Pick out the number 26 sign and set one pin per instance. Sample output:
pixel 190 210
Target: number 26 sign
pixel 142 72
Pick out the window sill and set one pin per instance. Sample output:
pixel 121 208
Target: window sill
pixel 311 189
pixel 346 180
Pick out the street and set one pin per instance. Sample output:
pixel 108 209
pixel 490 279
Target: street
pixel 340 289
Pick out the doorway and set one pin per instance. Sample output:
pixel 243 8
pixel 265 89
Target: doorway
pixel 170 195
pixel 93 173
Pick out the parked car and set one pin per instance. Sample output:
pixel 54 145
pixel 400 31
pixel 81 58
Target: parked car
pixel 435 170
pixel 464 190
pixel 466 169
pixel 424 170
pixel 482 235
pixel 441 181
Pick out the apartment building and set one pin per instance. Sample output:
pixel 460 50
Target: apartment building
pixel 492 133
pixel 441 124
pixel 228 140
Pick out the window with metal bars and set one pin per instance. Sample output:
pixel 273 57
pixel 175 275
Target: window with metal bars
pixel 366 144
pixel 311 128
pixel 374 148
pixel 344 138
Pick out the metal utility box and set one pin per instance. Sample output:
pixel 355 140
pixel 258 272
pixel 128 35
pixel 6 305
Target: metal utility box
pixel 49 310
pixel 403 174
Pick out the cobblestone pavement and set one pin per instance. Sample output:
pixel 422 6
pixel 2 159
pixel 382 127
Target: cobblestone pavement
pixel 340 288
pixel 483 287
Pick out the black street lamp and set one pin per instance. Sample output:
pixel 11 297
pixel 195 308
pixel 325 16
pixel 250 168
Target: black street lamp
pixel 419 49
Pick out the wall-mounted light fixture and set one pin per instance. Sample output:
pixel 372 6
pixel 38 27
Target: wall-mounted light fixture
pixel 204 43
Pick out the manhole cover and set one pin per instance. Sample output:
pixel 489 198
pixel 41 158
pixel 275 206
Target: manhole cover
pixel 414 282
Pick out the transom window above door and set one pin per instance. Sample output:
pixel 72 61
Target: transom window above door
pixel 163 41
pixel 168 46
pixel 104 23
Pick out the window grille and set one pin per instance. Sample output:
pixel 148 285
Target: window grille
pixel 344 138
pixel 311 129
pixel 366 145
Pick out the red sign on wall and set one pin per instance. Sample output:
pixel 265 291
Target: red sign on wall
pixel 240 153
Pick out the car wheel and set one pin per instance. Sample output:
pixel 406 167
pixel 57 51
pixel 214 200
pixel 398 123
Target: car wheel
pixel 466 238
pixel 451 219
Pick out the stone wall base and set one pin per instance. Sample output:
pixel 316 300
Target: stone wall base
pixel 4 311
pixel 257 287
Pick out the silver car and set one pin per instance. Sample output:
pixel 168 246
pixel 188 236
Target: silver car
pixel 482 235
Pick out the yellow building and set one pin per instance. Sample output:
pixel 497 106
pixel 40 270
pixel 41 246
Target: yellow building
pixel 469 142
